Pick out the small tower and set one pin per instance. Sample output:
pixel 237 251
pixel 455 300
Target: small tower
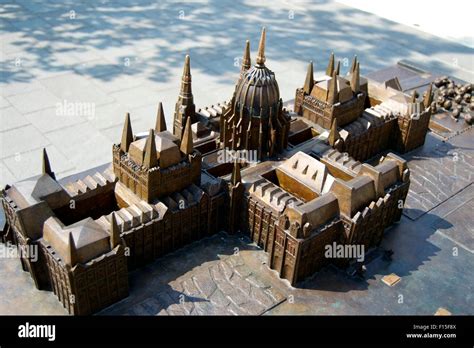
pixel 150 159
pixel 114 231
pixel 309 82
pixel 185 105
pixel 187 139
pixel 160 125
pixel 236 191
pixel 127 134
pixel 330 68
pixel 47 165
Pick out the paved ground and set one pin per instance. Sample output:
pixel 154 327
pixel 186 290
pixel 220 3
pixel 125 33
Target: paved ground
pixel 122 55
pixel 127 55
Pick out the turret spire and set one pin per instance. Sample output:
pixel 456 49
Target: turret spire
pixel 47 165
pixel 246 60
pixel 187 139
pixel 355 79
pixel 261 49
pixel 338 67
pixel 151 159
pixel 309 82
pixel 160 119
pixel 127 135
pixel 332 89
pixel 330 68
pixel 354 63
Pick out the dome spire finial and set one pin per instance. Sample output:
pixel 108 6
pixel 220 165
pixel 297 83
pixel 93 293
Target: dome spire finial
pixel 261 49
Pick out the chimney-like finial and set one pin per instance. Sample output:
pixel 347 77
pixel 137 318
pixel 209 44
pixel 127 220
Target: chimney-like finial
pixel 261 49
pixel 330 68
pixel 47 165
pixel 413 96
pixel 309 82
pixel 187 139
pixel 246 60
pixel 114 231
pixel 127 135
pixel 151 159
pixel 160 125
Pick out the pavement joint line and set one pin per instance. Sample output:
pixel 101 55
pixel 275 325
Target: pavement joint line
pixel 455 241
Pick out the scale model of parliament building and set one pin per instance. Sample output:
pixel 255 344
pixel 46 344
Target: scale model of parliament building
pixel 308 186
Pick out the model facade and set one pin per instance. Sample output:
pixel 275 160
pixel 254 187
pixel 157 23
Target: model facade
pixel 305 189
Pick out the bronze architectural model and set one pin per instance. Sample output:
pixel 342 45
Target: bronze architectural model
pixel 293 182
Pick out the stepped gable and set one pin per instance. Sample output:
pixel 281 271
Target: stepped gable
pixel 272 195
pixel 309 171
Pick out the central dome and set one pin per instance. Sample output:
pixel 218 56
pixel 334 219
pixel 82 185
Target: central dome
pixel 257 91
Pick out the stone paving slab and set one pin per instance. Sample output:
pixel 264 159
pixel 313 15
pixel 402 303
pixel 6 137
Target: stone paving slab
pixel 438 171
pixel 220 285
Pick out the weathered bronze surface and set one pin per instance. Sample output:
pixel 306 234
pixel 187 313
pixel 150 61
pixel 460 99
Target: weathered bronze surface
pixel 295 182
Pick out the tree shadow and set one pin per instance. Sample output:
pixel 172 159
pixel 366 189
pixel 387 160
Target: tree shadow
pixel 154 36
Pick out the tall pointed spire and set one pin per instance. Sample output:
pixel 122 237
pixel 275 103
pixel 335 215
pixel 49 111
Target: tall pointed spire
pixel 333 133
pixel 186 89
pixel 355 79
pixel 330 68
pixel 338 67
pixel 47 165
pixel 246 60
pixel 354 63
pixel 151 159
pixel 160 125
pixel 72 252
pixel 309 82
pixel 332 89
pixel 428 96
pixel 261 49
pixel 127 135
pixel 235 178
pixel 114 231
pixel 187 139
pixel 184 107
